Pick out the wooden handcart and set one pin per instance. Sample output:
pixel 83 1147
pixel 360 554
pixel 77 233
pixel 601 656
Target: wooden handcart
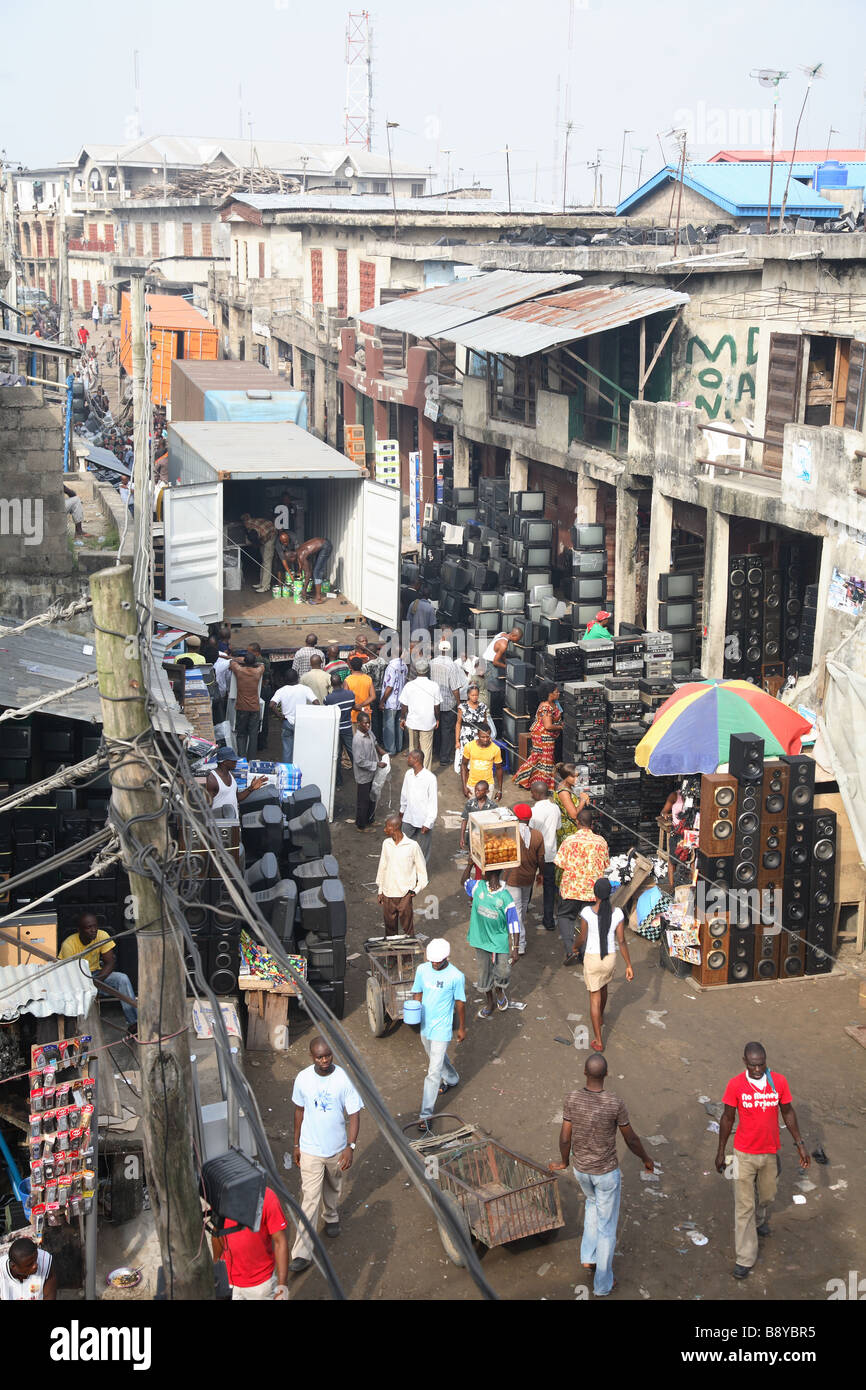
pixel 393 962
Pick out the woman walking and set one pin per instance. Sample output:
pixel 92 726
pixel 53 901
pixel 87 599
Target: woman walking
pixel 471 714
pixel 538 767
pixel 563 797
pixel 601 935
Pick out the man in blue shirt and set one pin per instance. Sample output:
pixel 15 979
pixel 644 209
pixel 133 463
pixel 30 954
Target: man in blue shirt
pixel 345 699
pixel 441 988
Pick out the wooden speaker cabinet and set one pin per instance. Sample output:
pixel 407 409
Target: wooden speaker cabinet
pixel 718 814
pixel 713 969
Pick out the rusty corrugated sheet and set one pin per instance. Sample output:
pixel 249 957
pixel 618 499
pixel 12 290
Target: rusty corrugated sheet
pixel 429 312
pixel 524 329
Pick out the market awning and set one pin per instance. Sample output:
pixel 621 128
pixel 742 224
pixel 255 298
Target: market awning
pixel 533 327
pixel 37 989
pixel 33 344
pixel 429 313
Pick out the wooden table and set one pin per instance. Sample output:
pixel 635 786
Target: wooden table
pixel 267 1013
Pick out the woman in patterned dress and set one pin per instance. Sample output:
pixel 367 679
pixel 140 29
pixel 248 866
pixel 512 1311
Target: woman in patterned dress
pixel 538 767
pixel 471 714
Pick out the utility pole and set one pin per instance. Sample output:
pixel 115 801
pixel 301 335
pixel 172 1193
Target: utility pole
pixel 166 1074
pixel 569 126
pixel 508 174
pixel 63 270
pixel 622 166
pixel 141 489
pixel 389 126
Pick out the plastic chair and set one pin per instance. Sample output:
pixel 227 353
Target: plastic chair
pixel 720 446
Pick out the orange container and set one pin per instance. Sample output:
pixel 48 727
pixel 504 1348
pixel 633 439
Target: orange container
pixel 176 331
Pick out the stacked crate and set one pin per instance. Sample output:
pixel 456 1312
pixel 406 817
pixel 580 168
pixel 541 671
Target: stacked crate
pixel 388 462
pixel 354 443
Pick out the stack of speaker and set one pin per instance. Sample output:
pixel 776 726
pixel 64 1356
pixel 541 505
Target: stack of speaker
pixel 760 832
pixel 767 631
pixel 806 637
pixel 623 778
pixel 584 734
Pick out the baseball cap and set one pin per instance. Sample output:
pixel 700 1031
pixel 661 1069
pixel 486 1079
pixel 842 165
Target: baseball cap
pixel 226 755
pixel 602 616
pixel 438 950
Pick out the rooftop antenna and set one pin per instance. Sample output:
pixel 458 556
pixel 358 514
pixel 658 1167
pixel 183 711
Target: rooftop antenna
pixel 359 80
pixel 240 112
pixel 642 150
pixel 811 73
pixel 622 166
pixel 831 132
pixel 772 78
pixel 136 63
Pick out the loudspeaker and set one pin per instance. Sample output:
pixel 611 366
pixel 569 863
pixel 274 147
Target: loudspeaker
pixel 716 868
pixel 741 962
pixel 792 955
pixel 715 951
pixel 718 811
pixel 224 957
pixel 822 888
pixel 798 850
pixel 801 783
pixel 774 837
pixel 767 942
pixel 774 789
pixel 795 901
pixel 819 947
pixel 747 838
pixel 746 756
pixel 201 942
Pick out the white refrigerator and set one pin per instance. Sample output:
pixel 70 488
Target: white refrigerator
pixel 317 747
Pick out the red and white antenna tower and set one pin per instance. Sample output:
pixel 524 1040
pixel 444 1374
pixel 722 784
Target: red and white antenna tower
pixel 359 79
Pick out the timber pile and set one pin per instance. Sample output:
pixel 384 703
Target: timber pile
pixel 219 183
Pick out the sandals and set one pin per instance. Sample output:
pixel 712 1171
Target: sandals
pixel 485 1012
pixel 502 1003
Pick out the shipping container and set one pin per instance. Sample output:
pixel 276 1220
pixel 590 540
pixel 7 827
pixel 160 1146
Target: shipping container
pixel 191 381
pixel 219 470
pixel 177 331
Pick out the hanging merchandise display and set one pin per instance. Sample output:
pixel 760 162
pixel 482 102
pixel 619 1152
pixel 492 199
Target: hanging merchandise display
pixel 415 490
pixel 62 1132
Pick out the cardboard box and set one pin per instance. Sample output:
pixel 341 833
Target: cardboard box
pixel 36 928
pixel 494 841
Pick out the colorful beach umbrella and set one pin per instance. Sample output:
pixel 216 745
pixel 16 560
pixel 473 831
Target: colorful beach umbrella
pixel 692 730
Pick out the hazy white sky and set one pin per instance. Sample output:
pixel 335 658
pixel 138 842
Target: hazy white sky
pixel 466 75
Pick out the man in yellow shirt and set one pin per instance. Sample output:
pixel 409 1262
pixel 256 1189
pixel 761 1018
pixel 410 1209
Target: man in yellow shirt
pixel 482 758
pixel 100 960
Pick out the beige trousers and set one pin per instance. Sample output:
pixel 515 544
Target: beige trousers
pixel 422 740
pixel 256 1293
pixel 321 1182
pixel 750 1210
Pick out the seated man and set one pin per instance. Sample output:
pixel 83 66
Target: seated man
pixel 101 960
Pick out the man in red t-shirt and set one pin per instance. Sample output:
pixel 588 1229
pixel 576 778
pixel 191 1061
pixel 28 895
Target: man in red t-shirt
pixel 257 1261
pixel 757 1096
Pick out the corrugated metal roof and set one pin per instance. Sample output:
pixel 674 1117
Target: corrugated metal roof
pixel 177 615
pixel 42 660
pixel 563 318
pixel 204 450
pixel 428 313
pixel 26 340
pixel 741 190
pixel 288 156
pixel 172 311
pixel 43 989
pixel 808 156
pixel 379 202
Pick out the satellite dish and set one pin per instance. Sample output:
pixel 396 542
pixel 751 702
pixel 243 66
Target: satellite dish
pixel 769 77
pixel 348 172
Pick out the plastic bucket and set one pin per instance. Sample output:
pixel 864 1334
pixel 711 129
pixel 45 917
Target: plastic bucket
pixel 412 1012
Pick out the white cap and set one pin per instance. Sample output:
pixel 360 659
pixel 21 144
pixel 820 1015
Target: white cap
pixel 438 950
pixel 444 646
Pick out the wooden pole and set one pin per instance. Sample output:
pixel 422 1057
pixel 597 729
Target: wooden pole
pixel 141 472
pixel 166 1074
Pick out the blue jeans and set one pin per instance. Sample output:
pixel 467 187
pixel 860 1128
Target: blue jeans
pixel 392 734
pixel 440 1069
pixel 602 1192
pixel 117 980
pixel 288 741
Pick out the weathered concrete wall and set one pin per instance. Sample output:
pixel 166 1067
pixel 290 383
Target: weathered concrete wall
pixel 715 358
pixel 32 512
pixel 655 209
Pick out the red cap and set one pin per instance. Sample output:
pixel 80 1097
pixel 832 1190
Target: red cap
pixel 602 617
pixel 523 812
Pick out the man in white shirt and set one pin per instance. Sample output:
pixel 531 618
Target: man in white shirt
pixel 286 702
pixel 451 681
pixel 402 873
pixel 547 818
pixel 419 708
pixel 222 676
pixel 324 1144
pixel 393 681
pixel 419 803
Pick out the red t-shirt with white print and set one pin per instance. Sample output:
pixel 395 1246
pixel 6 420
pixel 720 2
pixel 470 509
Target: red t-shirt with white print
pixel 758 1112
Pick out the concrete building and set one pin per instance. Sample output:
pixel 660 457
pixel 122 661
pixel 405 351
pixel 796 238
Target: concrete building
pixel 737 193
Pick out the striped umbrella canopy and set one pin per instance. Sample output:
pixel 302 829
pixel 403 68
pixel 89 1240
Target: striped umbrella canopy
pixel 692 730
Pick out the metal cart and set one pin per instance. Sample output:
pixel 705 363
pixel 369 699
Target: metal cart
pixel 496 1194
pixel 393 962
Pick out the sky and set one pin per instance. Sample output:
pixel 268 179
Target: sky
pixel 469 76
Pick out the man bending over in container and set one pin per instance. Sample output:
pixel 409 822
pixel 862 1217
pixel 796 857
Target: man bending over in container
pixel 313 557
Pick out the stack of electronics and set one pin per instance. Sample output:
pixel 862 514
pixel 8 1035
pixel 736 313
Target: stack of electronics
pixel 774 855
pixel 624 733
pixel 584 734
pixel 806 638
pixel 678 616
pixel 628 655
pixel 596 657
pixel 588 584
pixel 767 633
pixel 659 656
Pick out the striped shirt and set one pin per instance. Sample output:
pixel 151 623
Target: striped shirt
pixel 446 674
pixel 304 659
pixel 264 529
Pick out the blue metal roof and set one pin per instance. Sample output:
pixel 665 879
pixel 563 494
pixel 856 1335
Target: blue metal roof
pixel 740 190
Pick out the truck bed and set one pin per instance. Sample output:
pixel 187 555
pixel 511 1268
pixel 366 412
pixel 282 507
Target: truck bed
pixel 280 622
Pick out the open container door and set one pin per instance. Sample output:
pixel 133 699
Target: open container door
pixel 193 517
pixel 382 531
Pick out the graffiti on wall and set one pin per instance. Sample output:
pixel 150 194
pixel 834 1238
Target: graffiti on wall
pixel 722 375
